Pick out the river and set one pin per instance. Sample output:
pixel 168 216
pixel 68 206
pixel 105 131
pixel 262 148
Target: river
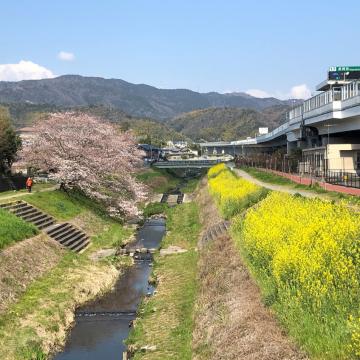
pixel 102 325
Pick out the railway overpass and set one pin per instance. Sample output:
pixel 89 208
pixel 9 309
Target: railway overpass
pixel 325 127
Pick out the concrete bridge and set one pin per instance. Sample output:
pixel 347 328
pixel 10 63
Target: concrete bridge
pixel 196 163
pixel 325 127
pixel 330 115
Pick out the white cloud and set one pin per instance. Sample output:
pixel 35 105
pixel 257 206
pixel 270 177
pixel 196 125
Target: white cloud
pixel 296 92
pixel 24 70
pixel 258 93
pixel 66 56
pixel 300 92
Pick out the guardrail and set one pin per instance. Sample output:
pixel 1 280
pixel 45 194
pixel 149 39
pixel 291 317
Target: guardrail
pixel 347 91
pixel 187 163
pixel 343 178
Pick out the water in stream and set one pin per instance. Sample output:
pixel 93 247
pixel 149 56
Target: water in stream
pixel 103 325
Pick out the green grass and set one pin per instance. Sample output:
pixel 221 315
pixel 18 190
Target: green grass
pixel 35 188
pixel 155 208
pixel 190 186
pixel 158 180
pixel 166 319
pixel 61 205
pixel 113 235
pixel 13 229
pixel 48 300
pixel 272 178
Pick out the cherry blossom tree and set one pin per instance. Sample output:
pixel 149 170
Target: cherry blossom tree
pixel 92 156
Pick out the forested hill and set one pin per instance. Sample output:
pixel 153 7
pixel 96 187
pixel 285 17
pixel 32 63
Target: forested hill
pixel 216 124
pixel 211 124
pixel 135 99
pixel 147 130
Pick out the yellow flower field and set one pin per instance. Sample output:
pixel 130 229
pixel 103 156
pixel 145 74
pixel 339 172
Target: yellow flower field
pixel 232 194
pixel 305 255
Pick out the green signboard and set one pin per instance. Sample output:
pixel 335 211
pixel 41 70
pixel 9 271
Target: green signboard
pixel 344 68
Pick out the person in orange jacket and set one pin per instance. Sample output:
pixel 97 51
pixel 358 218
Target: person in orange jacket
pixel 29 183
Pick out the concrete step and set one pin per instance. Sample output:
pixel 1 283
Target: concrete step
pixel 19 207
pixel 64 234
pixel 81 246
pixel 46 223
pixel 70 235
pixel 56 229
pixel 11 204
pixel 24 211
pixel 73 241
pixel 41 220
pixel 33 217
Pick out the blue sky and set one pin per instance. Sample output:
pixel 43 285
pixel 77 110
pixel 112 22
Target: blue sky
pixel 204 45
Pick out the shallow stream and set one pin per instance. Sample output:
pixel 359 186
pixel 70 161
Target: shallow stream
pixel 102 325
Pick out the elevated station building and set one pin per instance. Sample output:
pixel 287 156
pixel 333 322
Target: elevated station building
pixel 325 128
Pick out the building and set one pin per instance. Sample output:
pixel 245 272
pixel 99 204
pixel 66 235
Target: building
pixel 325 128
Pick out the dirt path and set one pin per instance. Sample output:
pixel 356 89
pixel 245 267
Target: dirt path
pixel 9 197
pixel 283 188
pixel 231 321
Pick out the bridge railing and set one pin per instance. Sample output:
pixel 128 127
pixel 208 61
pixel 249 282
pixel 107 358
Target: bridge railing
pixel 188 163
pixel 350 90
pixel 346 92
pixel 273 133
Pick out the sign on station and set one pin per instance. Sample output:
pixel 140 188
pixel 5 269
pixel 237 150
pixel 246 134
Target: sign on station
pixel 343 73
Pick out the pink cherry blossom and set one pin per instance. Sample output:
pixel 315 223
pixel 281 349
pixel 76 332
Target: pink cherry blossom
pixel 91 155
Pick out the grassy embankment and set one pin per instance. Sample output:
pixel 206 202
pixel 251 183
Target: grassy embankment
pixel 166 319
pixel 36 324
pixel 35 188
pixel 13 229
pixel 304 254
pixel 158 180
pixel 272 178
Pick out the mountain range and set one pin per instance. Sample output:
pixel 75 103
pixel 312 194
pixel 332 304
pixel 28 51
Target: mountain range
pixel 215 124
pixel 135 99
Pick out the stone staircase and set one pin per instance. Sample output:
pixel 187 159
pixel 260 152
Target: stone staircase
pixel 29 213
pixel 66 234
pixel 214 232
pixel 69 236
